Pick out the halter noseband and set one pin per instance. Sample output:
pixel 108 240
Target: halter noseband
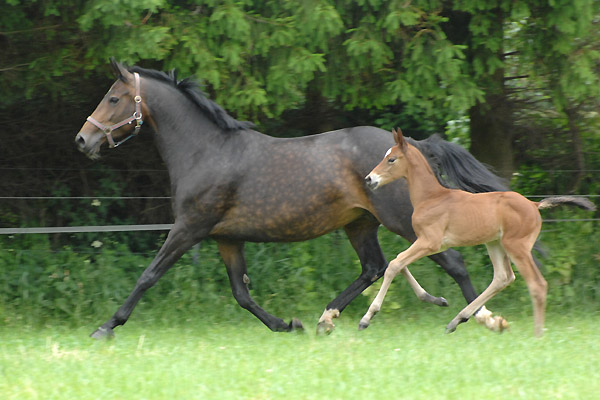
pixel 137 117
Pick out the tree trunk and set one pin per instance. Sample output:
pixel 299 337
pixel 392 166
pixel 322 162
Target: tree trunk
pixel 491 121
pixel 491 134
pixel 577 149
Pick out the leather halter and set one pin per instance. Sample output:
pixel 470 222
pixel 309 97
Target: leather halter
pixel 137 117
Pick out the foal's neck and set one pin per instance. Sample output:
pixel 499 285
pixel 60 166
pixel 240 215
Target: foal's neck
pixel 422 182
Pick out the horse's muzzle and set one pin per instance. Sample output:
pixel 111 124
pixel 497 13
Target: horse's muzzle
pixel 91 150
pixel 80 142
pixel 372 182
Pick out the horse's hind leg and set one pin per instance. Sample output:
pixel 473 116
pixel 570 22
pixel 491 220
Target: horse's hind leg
pixel 503 276
pixel 452 262
pixel 520 254
pixel 232 253
pixel 362 233
pixel 178 242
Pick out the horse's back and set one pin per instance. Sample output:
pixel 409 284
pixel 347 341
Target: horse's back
pixel 477 218
pixel 301 188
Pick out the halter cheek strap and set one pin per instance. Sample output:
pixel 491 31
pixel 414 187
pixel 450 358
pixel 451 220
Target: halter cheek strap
pixel 137 117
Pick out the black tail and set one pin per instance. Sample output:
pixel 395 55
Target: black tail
pixel 456 168
pixel 580 202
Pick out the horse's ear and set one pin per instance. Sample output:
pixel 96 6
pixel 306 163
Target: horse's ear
pixel 399 139
pixel 119 70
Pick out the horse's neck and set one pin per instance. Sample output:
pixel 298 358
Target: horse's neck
pixel 422 182
pixel 184 136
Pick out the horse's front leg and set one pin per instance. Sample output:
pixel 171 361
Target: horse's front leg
pixel 178 242
pixel 419 249
pixel 232 253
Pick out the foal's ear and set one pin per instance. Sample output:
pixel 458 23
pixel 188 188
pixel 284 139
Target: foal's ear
pixel 399 139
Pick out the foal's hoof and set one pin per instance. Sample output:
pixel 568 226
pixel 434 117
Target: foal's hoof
pixel 363 325
pixel 325 327
pixel 295 326
pixel 500 324
pixel 442 302
pixel 103 334
pixel 451 327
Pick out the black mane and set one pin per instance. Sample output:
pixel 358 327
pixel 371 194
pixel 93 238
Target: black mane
pixel 190 89
pixel 451 163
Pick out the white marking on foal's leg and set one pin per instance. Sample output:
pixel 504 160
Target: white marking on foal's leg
pixel 329 315
pixel 394 267
pixel 326 324
pixel 485 317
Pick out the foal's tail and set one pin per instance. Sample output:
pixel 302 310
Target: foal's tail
pixel 456 168
pixel 580 202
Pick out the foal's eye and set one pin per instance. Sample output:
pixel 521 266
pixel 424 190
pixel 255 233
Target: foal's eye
pixel 113 100
pixel 392 160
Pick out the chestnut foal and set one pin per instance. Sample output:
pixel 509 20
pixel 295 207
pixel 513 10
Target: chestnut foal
pixel 506 222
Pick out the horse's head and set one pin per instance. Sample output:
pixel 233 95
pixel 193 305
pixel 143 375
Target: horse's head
pixel 392 167
pixel 117 117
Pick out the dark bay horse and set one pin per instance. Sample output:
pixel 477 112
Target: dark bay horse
pixel 234 185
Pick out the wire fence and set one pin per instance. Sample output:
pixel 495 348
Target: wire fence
pixel 161 227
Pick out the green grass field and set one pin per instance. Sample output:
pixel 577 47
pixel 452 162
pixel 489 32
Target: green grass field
pixel 398 357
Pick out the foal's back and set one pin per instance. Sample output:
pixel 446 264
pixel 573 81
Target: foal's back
pixel 480 218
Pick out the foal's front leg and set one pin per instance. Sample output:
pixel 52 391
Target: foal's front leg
pixel 419 249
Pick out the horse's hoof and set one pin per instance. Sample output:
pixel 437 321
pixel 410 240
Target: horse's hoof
pixel 442 302
pixel 451 327
pixel 363 325
pixel 103 334
pixel 296 325
pixel 325 328
pixel 500 324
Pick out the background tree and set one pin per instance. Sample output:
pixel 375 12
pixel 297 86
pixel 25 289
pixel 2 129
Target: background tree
pixel 514 80
pixel 521 75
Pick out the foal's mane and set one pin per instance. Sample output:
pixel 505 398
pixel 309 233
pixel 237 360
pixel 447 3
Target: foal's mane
pixel 189 88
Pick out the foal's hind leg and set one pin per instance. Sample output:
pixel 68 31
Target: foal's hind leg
pixel 233 255
pixel 520 254
pixel 452 262
pixel 503 276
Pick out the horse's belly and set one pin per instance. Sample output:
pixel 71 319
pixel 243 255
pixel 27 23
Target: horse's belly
pixel 470 236
pixel 282 226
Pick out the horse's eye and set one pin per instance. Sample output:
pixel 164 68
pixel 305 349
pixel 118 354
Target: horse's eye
pixel 113 100
pixel 392 160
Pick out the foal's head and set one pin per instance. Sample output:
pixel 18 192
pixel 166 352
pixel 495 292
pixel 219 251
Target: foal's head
pixel 393 166
pixel 118 115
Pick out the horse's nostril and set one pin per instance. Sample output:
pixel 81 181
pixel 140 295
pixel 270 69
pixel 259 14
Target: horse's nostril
pixel 80 141
pixel 368 180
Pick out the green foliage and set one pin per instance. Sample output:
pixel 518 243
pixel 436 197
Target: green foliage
pixel 389 63
pixel 87 285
